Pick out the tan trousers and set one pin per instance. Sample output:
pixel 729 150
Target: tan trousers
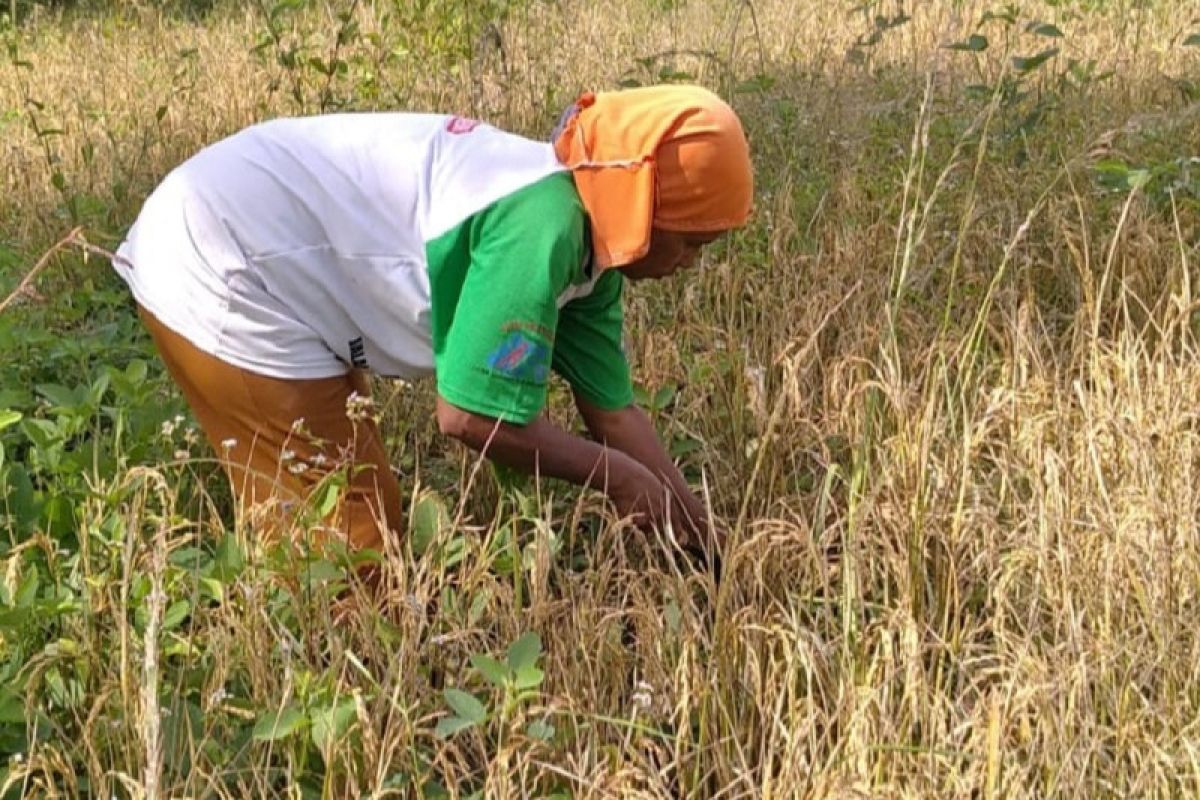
pixel 279 439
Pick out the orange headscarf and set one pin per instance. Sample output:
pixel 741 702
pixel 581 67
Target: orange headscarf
pixel 672 157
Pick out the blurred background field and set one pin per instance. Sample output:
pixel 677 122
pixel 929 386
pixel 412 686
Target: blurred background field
pixel 942 389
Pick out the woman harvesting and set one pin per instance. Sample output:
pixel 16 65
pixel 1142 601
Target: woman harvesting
pixel 275 267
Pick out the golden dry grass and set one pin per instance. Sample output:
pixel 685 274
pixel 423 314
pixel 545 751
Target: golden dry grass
pixel 944 384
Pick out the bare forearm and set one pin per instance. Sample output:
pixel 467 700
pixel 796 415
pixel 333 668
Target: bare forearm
pixel 630 431
pixel 541 447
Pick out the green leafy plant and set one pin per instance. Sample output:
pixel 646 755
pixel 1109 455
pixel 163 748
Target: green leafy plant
pixel 516 682
pixel 1012 80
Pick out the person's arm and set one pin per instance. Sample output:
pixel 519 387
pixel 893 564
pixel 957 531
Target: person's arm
pixel 541 447
pixel 630 431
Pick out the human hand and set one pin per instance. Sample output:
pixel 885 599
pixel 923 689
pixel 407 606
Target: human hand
pixel 691 521
pixel 642 497
pixel 704 537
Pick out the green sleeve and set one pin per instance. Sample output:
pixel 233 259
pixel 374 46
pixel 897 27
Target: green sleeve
pixel 589 352
pixel 524 251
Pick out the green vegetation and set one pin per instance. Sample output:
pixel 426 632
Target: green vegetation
pixel 942 389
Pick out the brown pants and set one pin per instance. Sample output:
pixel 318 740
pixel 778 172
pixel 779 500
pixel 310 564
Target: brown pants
pixel 279 439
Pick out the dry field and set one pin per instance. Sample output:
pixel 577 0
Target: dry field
pixel 941 390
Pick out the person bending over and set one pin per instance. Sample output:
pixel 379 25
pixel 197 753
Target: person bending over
pixel 275 268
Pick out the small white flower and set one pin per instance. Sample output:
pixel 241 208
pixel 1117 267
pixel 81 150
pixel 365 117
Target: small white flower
pixel 182 455
pixel 287 455
pixel 358 407
pixel 228 444
pixel 168 429
pixel 298 425
pixel 179 419
pixel 298 468
pixel 218 696
pixel 320 460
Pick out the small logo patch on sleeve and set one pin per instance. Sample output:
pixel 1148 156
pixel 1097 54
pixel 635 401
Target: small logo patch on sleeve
pixel 522 357
pixel 458 125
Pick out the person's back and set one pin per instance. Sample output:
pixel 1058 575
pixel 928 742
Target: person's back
pixel 319 224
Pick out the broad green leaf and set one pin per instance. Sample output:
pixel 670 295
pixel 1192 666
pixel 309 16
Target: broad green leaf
pixel 322 571
pixel 330 724
pixel 14 397
pixel 455 551
pixel 27 591
pixel 324 498
pixel 491 669
pixel 975 43
pixel 214 588
pixel 1044 29
pixel 279 724
pixel 9 417
pixel 529 677
pixel 640 395
pixel 176 614
pixel 429 518
pixel 58 395
pixel 14 618
pixel 1138 178
pixel 58 516
pixel 12 708
pixel 64 648
pixel 1192 41
pixel 1111 166
pixel 524 651
pixel 465 705
pixel 1119 176
pixel 99 387
pixel 684 445
pixel 479 602
pixel 229 560
pixel 663 397
pixel 540 729
pixel 179 646
pixel 135 371
pixel 448 726
pixel 1030 63
pixel 44 434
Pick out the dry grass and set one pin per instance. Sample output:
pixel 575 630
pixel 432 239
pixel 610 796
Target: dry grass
pixel 944 385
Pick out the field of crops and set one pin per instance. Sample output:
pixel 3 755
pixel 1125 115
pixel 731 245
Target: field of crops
pixel 943 390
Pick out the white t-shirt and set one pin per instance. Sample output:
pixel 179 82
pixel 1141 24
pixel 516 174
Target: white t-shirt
pixel 296 247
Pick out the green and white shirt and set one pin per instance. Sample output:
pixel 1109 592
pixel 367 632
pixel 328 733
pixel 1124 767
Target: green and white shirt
pixel 403 243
